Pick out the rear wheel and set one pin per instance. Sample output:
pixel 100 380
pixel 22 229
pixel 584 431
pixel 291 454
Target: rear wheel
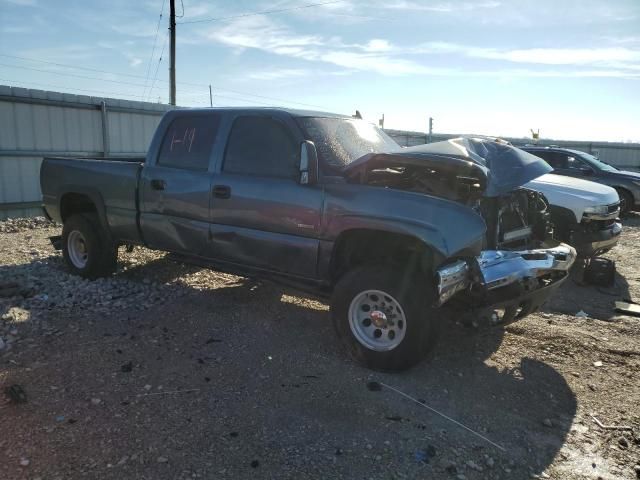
pixel 384 317
pixel 626 201
pixel 86 248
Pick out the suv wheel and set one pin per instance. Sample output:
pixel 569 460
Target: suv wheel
pixel 85 248
pixel 384 317
pixel 626 201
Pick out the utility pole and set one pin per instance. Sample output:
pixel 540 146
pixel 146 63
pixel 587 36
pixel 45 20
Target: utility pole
pixel 210 97
pixel 172 41
pixel 430 129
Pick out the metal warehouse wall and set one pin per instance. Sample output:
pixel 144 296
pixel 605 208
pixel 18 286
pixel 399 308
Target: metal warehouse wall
pixel 619 154
pixel 36 123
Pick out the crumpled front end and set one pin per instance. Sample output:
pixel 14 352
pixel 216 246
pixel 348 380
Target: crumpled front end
pixel 517 281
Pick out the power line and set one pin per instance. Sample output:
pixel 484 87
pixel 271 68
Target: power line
pixel 102 93
pixel 66 65
pixel 66 74
pixel 142 77
pixel 153 50
pixel 66 87
pixel 263 12
pixel 155 77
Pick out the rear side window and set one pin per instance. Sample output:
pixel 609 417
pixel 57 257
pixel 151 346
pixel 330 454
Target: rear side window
pixel 261 146
pixel 188 142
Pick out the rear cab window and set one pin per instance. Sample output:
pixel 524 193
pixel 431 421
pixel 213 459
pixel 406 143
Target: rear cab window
pixel 188 142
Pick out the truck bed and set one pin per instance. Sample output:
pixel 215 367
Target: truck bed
pixel 110 183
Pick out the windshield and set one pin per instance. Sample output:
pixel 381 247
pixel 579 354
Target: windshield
pixel 340 141
pixel 597 164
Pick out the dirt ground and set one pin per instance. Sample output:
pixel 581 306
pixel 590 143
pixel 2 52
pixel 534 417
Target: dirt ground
pixel 168 371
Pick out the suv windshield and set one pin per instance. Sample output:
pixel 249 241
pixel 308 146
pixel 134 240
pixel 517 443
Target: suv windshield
pixel 340 141
pixel 595 163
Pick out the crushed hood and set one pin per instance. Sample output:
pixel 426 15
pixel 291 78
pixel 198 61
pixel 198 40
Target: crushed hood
pixel 498 165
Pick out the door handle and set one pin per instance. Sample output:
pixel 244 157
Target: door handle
pixel 222 191
pixel 158 184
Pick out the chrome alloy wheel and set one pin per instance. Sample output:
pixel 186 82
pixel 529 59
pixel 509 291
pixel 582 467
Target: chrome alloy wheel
pixel 377 320
pixel 77 248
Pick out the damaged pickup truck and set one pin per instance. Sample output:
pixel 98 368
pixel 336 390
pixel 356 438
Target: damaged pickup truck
pixel 328 204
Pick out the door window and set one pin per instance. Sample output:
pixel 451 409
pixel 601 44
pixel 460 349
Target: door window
pixel 555 159
pixel 261 146
pixel 189 141
pixel 574 163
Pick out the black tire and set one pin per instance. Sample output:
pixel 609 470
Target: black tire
pixel 415 298
pixel 626 201
pixel 101 254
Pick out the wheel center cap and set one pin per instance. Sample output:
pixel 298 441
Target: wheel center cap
pixel 378 318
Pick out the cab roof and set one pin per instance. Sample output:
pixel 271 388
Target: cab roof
pixel 249 110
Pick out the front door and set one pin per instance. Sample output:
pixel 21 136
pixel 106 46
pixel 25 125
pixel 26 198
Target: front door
pixel 261 216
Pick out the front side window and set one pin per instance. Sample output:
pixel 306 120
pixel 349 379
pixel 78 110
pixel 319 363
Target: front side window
pixel 261 146
pixel 189 141
pixel 575 164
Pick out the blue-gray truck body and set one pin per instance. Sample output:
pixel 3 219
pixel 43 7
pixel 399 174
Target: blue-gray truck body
pixel 312 217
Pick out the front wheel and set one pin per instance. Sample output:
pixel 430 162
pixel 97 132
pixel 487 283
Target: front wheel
pixel 85 247
pixel 384 317
pixel 626 201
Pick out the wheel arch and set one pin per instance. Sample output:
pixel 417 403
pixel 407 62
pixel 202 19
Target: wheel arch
pixel 629 194
pixel 82 200
pixel 358 246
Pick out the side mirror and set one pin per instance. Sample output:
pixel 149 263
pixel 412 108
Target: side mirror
pixel 308 163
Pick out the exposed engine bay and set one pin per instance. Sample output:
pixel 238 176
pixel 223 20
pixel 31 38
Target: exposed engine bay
pixel 520 220
pixel 516 220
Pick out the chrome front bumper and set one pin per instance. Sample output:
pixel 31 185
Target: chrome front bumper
pixel 590 243
pixel 495 269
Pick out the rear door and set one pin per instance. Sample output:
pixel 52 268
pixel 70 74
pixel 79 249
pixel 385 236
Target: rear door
pixel 261 216
pixel 176 185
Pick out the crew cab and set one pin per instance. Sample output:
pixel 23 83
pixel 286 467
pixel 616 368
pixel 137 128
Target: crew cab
pixel 329 204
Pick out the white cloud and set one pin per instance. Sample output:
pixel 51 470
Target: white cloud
pixel 23 3
pixel 264 34
pixel 377 45
pixel 16 29
pixel 442 7
pixel 618 57
pixel 137 28
pixel 561 56
pixel 278 74
pixel 380 56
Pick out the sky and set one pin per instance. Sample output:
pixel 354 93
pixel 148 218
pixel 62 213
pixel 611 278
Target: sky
pixel 568 68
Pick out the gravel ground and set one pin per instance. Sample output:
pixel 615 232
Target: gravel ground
pixel 170 371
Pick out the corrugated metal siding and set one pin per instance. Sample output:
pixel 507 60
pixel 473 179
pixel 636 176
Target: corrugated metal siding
pixel 618 154
pixel 37 123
